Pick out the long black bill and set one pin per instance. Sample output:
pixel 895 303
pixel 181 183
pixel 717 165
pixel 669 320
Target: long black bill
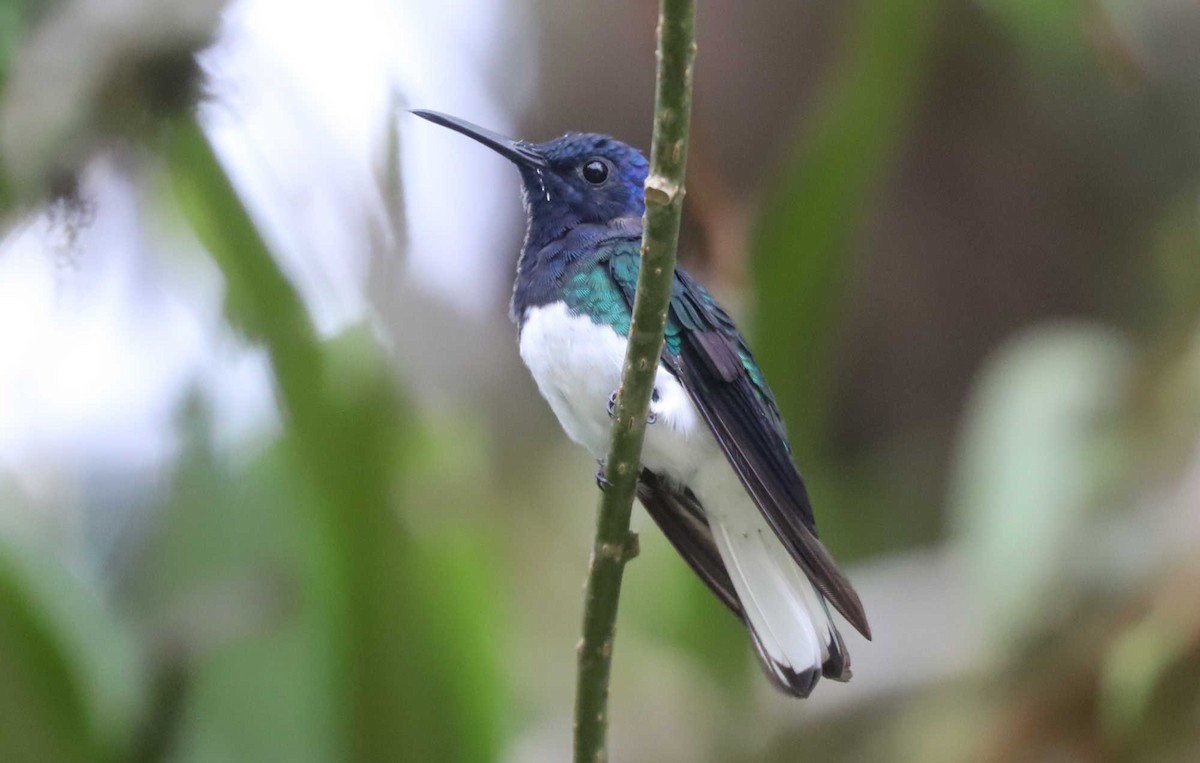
pixel 514 150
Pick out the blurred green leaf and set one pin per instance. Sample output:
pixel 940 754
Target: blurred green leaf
pixel 232 587
pixel 465 638
pixel 1037 455
pixel 70 687
pixel 1174 299
pixel 802 250
pixel 1136 665
pixel 389 617
pixel 1149 674
pixel 259 300
pixel 1049 31
pixel 13 22
pixel 15 19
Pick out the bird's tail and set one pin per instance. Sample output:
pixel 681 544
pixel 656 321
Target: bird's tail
pixel 796 639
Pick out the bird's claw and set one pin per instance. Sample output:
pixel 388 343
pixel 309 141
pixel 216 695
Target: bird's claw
pixel 651 416
pixel 601 480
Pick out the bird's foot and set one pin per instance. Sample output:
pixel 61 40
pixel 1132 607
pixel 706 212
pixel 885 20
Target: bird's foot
pixel 651 416
pixel 601 481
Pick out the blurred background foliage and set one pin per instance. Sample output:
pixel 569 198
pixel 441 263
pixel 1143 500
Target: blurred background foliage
pixel 964 237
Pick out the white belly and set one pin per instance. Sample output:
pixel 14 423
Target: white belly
pixel 577 366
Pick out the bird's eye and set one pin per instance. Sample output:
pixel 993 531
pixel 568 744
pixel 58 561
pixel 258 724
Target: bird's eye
pixel 595 172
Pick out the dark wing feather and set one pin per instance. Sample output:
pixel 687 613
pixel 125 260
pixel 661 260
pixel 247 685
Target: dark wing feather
pixel 711 360
pixel 679 516
pixel 722 362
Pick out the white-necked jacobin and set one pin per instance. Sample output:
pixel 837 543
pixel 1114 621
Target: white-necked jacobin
pixel 717 474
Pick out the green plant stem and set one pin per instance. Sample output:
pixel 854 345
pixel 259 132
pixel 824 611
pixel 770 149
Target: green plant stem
pixel 615 544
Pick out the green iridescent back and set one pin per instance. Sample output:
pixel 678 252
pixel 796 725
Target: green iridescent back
pixel 601 286
pixel 598 287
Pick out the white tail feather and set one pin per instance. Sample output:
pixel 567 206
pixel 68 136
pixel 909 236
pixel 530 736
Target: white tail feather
pixel 786 613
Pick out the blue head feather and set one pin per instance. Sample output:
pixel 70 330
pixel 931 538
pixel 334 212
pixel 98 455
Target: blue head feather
pixel 580 190
pixel 559 197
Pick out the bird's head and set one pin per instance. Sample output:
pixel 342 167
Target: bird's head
pixel 578 179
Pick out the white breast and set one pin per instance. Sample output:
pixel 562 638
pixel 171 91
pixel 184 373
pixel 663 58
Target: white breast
pixel 577 366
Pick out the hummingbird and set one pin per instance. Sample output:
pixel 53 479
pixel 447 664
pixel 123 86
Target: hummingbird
pixel 716 471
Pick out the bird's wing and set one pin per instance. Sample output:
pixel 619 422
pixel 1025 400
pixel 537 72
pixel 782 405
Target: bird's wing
pixel 709 357
pixel 677 513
